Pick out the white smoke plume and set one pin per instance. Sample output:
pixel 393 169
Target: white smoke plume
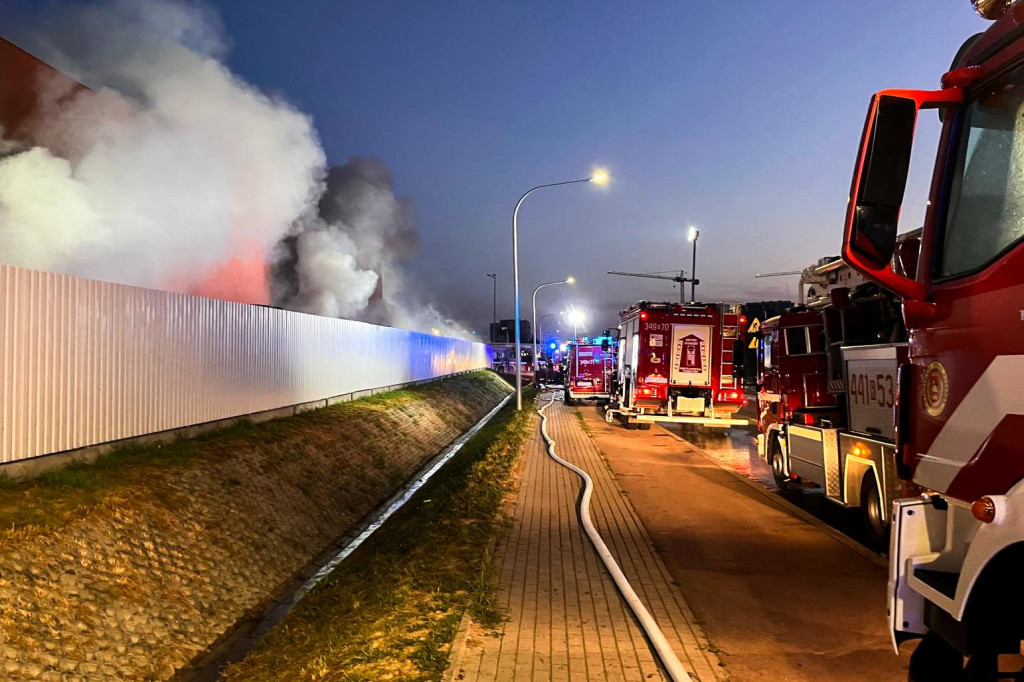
pixel 172 172
pixel 170 169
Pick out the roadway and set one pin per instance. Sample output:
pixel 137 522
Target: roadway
pixel 781 595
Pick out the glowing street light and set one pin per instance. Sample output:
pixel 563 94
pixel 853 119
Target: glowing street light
pixel 692 236
pixel 568 280
pixel 576 317
pixel 598 177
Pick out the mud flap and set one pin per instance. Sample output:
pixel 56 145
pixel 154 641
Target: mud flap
pixel 761 451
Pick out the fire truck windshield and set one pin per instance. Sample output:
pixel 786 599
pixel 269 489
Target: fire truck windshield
pixel 986 207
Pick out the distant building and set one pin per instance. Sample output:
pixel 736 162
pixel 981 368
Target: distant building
pixel 505 332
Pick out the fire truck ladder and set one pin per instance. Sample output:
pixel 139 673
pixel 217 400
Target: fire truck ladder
pixel 726 358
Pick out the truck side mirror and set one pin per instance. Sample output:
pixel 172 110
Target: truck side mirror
pixel 883 181
pixel 605 345
pixel 879 183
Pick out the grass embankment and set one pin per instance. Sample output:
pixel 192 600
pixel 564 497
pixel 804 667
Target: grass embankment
pixel 61 496
pixel 392 610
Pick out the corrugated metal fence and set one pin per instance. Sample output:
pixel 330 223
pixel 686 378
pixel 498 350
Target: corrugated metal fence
pixel 87 362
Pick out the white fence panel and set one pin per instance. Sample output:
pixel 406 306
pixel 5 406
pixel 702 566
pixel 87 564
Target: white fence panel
pixel 87 362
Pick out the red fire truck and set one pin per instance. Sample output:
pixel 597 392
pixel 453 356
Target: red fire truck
pixel 827 376
pixel 957 550
pixel 589 368
pixel 675 364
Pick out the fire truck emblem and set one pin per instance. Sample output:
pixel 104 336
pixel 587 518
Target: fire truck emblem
pixel 936 389
pixel 690 357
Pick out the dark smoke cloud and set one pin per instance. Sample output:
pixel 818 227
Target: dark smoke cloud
pixel 345 261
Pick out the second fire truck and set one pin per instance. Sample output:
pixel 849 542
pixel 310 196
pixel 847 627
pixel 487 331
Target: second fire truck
pixel 679 362
pixel 827 375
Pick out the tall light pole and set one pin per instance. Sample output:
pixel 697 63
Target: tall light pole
pixel 567 280
pixel 692 236
pixel 541 324
pixel 494 309
pixel 577 318
pixel 599 177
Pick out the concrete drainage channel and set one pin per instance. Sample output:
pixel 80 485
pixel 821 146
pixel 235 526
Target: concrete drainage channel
pixel 244 637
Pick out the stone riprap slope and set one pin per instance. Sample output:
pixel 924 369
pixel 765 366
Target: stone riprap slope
pixel 167 556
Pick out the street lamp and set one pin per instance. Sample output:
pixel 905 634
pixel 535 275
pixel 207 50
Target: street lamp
pixel 598 177
pixel 692 236
pixel 567 280
pixel 494 310
pixel 541 323
pixel 577 318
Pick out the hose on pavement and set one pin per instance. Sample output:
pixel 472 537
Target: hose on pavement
pixel 668 658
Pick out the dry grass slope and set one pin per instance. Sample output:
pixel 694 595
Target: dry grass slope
pixel 128 568
pixel 392 610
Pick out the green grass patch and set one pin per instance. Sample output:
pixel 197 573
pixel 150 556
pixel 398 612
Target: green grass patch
pixel 391 611
pixel 138 470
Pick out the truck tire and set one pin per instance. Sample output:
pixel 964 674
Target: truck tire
pixel 566 398
pixel 630 424
pixel 873 516
pixel 935 660
pixel 643 426
pixel 778 464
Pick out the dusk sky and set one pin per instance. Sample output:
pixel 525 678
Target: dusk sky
pixel 741 118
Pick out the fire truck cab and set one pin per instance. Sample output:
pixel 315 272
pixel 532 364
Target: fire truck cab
pixel 676 364
pixel 957 551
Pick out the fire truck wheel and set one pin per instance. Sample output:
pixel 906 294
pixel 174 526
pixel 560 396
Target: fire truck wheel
pixel 631 424
pixel 873 514
pixel 644 426
pixel 778 465
pixel 935 660
pixel 567 399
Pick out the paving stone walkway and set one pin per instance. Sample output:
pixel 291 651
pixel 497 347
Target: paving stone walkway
pixel 565 619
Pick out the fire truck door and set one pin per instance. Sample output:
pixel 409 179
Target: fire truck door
pixel 970 373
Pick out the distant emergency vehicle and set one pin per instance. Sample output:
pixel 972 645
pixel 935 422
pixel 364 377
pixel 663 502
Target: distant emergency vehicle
pixel 589 369
pixel 679 362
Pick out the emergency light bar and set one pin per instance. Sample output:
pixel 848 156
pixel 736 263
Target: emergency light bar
pixel 991 9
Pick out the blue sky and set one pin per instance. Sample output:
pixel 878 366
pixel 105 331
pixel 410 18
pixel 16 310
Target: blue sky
pixel 741 118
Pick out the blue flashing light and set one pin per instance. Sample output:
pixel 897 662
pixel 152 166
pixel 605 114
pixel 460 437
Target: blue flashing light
pixel 554 346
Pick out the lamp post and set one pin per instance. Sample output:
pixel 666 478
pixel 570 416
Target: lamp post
pixel 577 318
pixel 599 178
pixel 541 324
pixel 567 280
pixel 494 309
pixel 692 236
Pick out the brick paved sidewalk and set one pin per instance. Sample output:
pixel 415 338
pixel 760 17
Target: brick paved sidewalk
pixel 565 619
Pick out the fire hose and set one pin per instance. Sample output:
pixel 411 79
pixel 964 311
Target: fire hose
pixel 668 658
